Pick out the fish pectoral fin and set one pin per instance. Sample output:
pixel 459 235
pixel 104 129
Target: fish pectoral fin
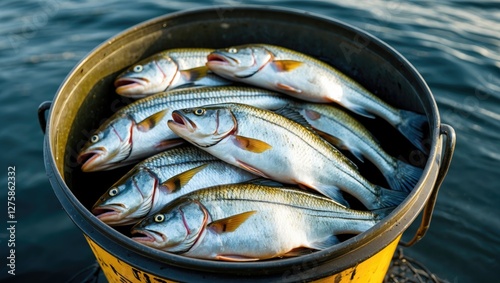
pixel 239 258
pixel 288 88
pixel 286 65
pixel 166 144
pixel 151 121
pixel 251 169
pixel 325 243
pixel 231 223
pixel 176 182
pixel 194 74
pixel 252 145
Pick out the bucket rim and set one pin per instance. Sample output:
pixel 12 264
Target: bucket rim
pixel 340 250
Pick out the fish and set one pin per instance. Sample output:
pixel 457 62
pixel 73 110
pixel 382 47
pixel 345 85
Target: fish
pixel 273 146
pixel 345 132
pixel 139 129
pixel 170 69
pixel 250 222
pixel 158 180
pixel 304 77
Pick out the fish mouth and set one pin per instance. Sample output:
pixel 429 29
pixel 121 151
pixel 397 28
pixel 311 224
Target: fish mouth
pixel 183 122
pixel 146 236
pixel 90 159
pixel 219 58
pixel 107 213
pixel 128 86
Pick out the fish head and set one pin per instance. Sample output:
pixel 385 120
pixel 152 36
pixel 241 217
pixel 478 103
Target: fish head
pixel 175 229
pixel 151 75
pixel 111 144
pixel 239 61
pixel 128 200
pixel 203 126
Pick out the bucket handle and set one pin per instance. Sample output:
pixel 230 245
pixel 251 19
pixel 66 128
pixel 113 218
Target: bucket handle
pixel 449 132
pixel 42 109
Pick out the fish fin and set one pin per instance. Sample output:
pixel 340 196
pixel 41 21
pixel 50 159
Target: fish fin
pixel 389 198
pixel 338 143
pixel 238 258
pixel 166 144
pixel 404 177
pixel 311 114
pixel 231 223
pixel 357 109
pixel 294 115
pixel 382 212
pixel 194 74
pixel 412 127
pixel 265 182
pixel 325 243
pixel 286 65
pixel 333 192
pixel 285 87
pixel 251 169
pixel 151 121
pixel 298 252
pixel 250 144
pixel 176 182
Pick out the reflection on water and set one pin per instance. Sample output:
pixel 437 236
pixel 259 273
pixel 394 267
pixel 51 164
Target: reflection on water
pixel 453 44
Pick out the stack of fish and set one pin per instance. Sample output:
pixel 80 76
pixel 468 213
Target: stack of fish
pixel 260 158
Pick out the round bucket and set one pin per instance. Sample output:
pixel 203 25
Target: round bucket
pixel 87 97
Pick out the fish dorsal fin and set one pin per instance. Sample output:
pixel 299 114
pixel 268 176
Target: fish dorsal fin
pixel 194 74
pixel 338 143
pixel 176 182
pixel 250 144
pixel 286 65
pixel 231 223
pixel 151 121
pixel 294 115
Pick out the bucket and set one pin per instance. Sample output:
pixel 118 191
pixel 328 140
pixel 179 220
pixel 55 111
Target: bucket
pixel 87 97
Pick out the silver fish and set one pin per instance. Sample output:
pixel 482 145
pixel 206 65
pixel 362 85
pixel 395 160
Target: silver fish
pixel 272 146
pixel 140 130
pixel 248 222
pixel 304 77
pixel 158 180
pixel 345 132
pixel 167 70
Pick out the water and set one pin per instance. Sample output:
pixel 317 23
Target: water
pixel 455 45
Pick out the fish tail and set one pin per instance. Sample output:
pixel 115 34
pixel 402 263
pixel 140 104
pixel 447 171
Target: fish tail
pixel 412 127
pixel 389 198
pixel 404 177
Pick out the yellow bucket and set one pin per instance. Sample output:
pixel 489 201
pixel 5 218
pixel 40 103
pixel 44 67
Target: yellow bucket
pixel 85 99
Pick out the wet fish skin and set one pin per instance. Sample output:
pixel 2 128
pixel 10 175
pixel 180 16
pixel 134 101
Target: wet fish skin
pixel 139 130
pixel 345 132
pixel 272 146
pixel 167 70
pixel 248 222
pixel 160 179
pixel 302 76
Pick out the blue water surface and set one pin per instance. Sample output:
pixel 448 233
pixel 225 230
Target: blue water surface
pixel 455 45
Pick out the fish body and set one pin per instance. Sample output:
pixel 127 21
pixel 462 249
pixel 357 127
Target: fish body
pixel 272 146
pixel 167 70
pixel 345 132
pixel 304 77
pixel 139 130
pixel 247 222
pixel 158 180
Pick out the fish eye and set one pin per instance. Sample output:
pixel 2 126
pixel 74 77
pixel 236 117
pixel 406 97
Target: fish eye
pixel 199 111
pixel 113 192
pixel 138 68
pixel 232 50
pixel 159 218
pixel 94 138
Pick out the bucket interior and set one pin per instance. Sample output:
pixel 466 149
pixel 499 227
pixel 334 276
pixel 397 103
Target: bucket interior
pixel 87 97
